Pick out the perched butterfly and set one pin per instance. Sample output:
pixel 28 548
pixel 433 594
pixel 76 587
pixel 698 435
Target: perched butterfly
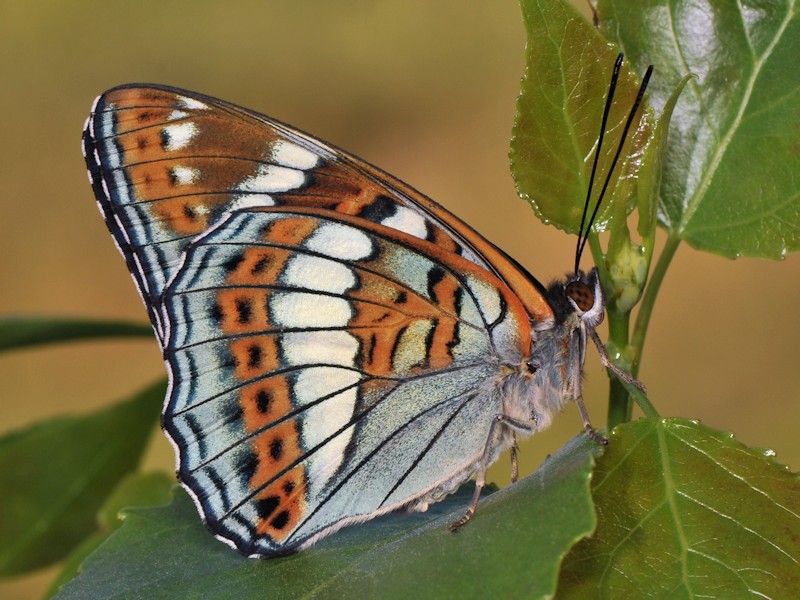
pixel 339 346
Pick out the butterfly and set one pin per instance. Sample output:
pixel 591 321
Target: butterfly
pixel 339 346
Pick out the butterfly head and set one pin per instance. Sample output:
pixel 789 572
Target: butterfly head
pixel 584 295
pixel 579 296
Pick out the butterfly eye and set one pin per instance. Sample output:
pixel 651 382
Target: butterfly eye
pixel 581 295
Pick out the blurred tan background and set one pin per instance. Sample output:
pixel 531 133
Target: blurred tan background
pixel 425 90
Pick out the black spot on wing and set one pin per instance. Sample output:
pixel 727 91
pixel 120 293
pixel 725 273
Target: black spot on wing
pixel 281 520
pixel 380 209
pixel 227 359
pixel 429 341
pixel 233 262
pixel 164 139
pixel 455 340
pixel 276 449
pixel 370 349
pixel 244 310
pixel 435 276
pixel 215 313
pixel 231 412
pixel 430 234
pixel 247 465
pixel 254 355
pixel 260 266
pixel 263 401
pixel 189 212
pixel 397 339
pixel 266 506
pixel 458 300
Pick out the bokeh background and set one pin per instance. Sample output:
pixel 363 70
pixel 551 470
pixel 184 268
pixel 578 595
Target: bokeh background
pixel 425 90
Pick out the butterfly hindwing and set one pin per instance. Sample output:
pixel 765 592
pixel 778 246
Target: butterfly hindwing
pixel 325 370
pixel 167 164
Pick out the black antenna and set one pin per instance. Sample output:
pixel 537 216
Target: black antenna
pixel 611 89
pixel 584 237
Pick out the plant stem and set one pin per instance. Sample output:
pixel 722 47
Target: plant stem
pixel 598 255
pixel 621 395
pixel 648 300
pixel 641 399
pixel 619 402
pixel 620 406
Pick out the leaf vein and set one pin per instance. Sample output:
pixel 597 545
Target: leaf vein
pixel 738 524
pixel 716 159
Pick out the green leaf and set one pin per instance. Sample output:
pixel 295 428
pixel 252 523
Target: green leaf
pixel 18 332
pixel 55 475
pixel 687 512
pixel 731 178
pixel 137 489
pixel 512 547
pixel 568 68
pixel 72 562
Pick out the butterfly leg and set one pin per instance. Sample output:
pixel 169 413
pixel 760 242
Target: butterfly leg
pixel 587 425
pixel 626 377
pixel 527 427
pixel 514 463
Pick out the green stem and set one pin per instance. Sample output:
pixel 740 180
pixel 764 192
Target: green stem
pixel 620 404
pixel 598 255
pixel 641 399
pixel 620 407
pixel 649 299
pixel 622 395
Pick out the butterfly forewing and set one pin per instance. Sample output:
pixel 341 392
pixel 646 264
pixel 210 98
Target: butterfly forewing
pixel 325 369
pixel 167 164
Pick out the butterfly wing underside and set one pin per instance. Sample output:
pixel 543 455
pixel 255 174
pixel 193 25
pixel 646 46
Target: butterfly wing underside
pixel 325 371
pixel 334 338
